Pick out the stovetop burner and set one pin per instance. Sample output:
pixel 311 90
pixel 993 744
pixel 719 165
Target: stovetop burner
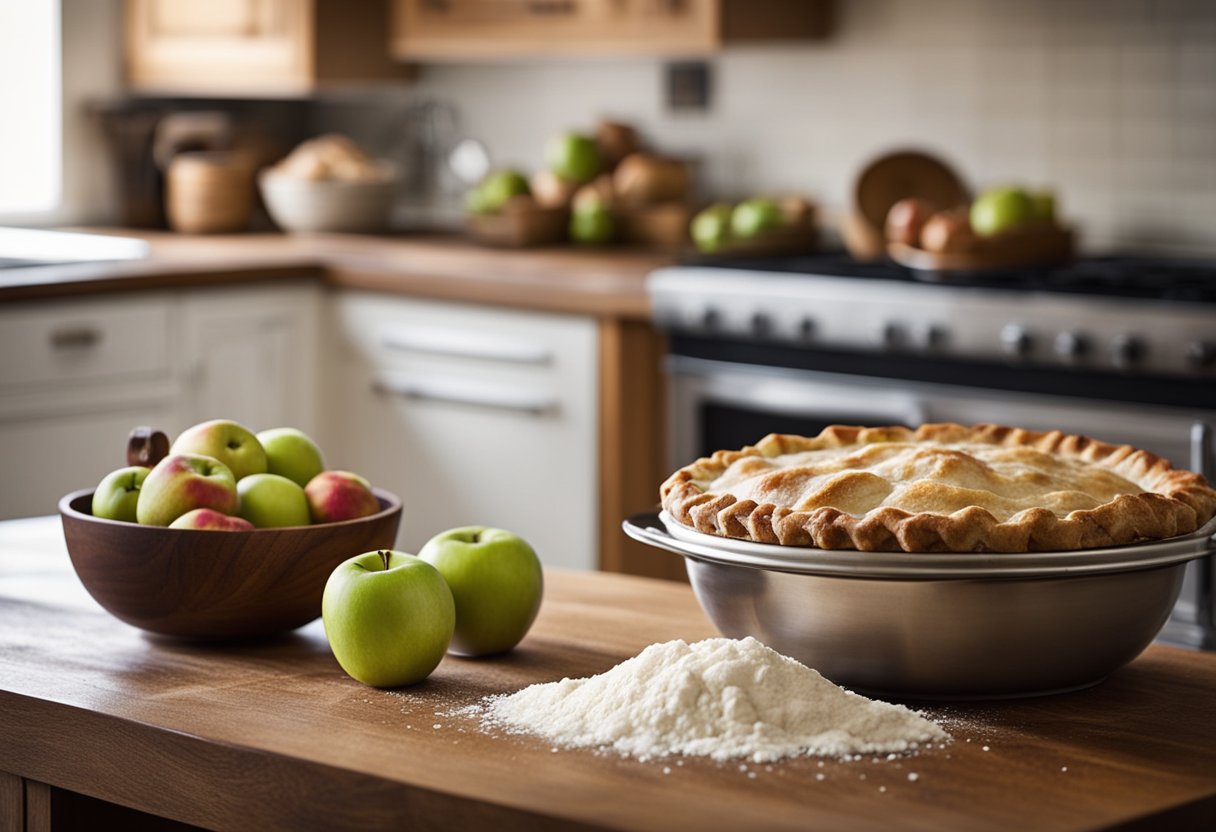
pixel 1151 278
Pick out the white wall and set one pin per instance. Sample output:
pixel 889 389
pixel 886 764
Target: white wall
pixel 1111 102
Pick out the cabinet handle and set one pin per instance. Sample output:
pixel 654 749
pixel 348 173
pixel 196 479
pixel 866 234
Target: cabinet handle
pixel 464 344
pixel 469 395
pixel 75 338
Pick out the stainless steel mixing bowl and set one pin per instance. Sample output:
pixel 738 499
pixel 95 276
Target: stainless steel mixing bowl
pixel 937 626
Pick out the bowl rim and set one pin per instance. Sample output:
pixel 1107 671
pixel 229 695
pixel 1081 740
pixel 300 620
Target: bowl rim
pixel 391 173
pixel 66 510
pixel 665 532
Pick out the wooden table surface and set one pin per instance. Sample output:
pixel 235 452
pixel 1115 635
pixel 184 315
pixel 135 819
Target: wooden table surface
pixel 275 735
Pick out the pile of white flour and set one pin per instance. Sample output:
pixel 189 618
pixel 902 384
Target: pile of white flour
pixel 720 698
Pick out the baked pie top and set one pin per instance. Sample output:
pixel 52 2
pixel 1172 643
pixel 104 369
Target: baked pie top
pixel 940 488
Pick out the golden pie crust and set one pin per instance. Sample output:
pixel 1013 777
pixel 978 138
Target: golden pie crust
pixel 939 488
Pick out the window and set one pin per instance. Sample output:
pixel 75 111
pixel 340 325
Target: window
pixel 30 107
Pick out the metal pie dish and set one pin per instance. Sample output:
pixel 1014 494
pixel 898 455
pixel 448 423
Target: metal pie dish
pixel 937 626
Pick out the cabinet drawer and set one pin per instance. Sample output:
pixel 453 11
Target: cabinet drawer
pixel 97 341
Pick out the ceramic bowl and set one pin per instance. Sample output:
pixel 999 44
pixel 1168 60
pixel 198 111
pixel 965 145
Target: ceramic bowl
pixel 197 584
pixel 304 205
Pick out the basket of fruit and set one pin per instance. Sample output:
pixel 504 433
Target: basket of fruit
pixel 594 190
pixel 1004 228
pixel 225 534
pixel 757 226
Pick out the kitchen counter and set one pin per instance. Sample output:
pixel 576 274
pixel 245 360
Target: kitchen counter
pixel 273 734
pixel 604 282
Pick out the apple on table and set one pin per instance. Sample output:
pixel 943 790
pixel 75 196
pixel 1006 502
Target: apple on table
pixel 496 581
pixel 389 617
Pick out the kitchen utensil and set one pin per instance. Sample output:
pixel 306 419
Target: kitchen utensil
pixel 304 205
pixel 937 626
pixel 885 181
pixel 197 584
pixel 209 192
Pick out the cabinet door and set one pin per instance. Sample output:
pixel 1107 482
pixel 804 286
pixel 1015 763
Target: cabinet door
pixel 250 355
pixel 75 377
pixel 235 46
pixel 473 416
pixel 505 28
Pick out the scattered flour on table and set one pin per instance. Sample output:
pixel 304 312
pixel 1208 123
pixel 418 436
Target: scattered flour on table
pixel 720 698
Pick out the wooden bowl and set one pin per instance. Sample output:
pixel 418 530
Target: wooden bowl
pixel 215 584
pixel 1039 244
pixel 520 229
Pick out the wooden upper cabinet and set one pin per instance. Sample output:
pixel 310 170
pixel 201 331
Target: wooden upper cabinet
pixel 491 29
pixel 255 47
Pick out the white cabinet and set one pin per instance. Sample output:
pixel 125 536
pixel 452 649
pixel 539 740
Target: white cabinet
pixel 250 354
pixel 76 376
pixel 472 415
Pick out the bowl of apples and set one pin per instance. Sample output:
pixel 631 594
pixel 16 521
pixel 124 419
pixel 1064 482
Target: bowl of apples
pixel 222 534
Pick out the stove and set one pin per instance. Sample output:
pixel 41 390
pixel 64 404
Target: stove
pixel 1122 315
pixel 1119 348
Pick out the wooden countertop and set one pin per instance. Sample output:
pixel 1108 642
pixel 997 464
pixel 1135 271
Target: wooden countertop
pixel 607 282
pixel 275 735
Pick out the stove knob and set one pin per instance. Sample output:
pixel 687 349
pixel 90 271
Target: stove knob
pixel 1201 354
pixel 806 329
pixel 1016 341
pixel 892 335
pixel 1071 345
pixel 762 325
pixel 1126 350
pixel 711 320
pixel 933 336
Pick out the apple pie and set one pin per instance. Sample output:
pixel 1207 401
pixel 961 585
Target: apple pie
pixel 939 488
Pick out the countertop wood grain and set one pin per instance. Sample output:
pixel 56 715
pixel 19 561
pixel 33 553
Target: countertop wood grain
pixel 275 735
pixel 603 282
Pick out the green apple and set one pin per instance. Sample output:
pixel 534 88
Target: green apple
pixel 573 157
pixel 1000 209
pixel 117 495
pixel 592 223
pixel 291 453
pixel 755 216
pixel 269 501
pixel 208 519
pixel 1043 206
pixel 494 191
pixel 710 228
pixel 497 582
pixel 231 443
pixel 183 482
pixel 389 618
pixel 339 495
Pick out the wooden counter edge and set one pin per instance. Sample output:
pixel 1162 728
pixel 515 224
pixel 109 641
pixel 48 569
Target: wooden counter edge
pixel 190 779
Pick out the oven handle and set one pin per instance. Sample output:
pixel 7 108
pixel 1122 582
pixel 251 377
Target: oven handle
pixel 806 398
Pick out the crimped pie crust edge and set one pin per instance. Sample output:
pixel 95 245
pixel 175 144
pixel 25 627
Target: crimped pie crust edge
pixel 1174 502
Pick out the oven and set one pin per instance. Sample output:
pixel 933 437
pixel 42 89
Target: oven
pixel 752 352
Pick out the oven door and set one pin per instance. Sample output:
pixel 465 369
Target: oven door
pixel 715 405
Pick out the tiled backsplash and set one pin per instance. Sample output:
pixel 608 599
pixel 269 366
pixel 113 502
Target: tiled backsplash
pixel 1110 102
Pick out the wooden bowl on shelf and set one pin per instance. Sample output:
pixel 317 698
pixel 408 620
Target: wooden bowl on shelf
pixel 534 226
pixel 215 585
pixel 1028 246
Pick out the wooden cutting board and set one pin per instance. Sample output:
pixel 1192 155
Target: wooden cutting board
pixel 275 735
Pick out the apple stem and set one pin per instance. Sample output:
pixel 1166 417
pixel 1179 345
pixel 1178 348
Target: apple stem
pixel 384 556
